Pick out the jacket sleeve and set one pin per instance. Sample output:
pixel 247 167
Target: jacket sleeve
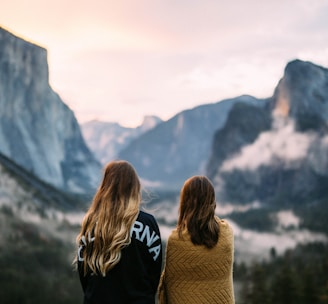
pixel 156 270
pixel 151 246
pixel 83 277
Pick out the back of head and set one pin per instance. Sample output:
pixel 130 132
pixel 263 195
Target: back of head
pixel 110 217
pixel 197 210
pixel 120 183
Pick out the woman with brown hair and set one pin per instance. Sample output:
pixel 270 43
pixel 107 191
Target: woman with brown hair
pixel 119 257
pixel 199 252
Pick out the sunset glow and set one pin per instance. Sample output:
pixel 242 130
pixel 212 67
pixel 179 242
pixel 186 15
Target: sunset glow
pixel 120 60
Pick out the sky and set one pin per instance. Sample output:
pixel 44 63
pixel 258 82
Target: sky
pixel 118 61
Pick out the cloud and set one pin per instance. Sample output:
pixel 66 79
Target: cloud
pixel 281 143
pixel 251 245
pixel 318 156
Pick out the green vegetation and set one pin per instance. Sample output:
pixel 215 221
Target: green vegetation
pixel 36 268
pixel 299 276
pixel 255 219
pixel 314 216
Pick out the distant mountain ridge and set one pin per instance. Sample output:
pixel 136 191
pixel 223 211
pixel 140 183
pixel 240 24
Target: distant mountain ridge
pixel 106 139
pixel 37 130
pixel 180 147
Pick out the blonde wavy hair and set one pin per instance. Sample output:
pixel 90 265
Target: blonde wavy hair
pixel 106 226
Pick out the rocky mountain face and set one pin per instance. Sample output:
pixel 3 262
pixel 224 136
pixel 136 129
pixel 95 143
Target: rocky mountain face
pixel 37 130
pixel 106 139
pixel 180 147
pixel 19 189
pixel 244 124
pixel 302 94
pixel 281 154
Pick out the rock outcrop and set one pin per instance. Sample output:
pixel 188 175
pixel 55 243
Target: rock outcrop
pixel 37 130
pixel 285 158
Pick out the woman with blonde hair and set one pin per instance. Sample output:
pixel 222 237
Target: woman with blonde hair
pixel 199 252
pixel 119 257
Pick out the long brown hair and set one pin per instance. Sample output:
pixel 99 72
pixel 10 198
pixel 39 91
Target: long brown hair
pixel 106 226
pixel 197 211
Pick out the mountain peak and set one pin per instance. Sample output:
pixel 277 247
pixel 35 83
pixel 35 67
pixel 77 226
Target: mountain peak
pixel 149 122
pixel 302 94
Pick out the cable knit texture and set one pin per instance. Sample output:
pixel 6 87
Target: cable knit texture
pixel 197 275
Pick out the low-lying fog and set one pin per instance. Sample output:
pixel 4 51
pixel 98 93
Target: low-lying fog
pixel 249 244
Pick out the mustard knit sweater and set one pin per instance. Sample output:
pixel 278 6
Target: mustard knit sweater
pixel 195 274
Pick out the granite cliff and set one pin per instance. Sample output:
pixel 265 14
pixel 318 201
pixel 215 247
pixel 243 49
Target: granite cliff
pixel 37 129
pixel 281 154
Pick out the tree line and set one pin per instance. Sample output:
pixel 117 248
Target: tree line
pixel 299 276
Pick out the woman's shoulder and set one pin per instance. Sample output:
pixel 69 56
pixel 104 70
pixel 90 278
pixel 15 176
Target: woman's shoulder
pixel 146 218
pixel 145 215
pixel 224 224
pixel 174 235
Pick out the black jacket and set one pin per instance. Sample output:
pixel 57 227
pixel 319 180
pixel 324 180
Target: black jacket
pixel 135 278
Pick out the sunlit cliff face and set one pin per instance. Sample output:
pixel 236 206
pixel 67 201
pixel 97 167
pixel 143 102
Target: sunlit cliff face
pixel 283 102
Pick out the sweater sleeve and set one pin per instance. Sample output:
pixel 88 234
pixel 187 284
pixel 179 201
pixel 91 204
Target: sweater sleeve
pixel 162 290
